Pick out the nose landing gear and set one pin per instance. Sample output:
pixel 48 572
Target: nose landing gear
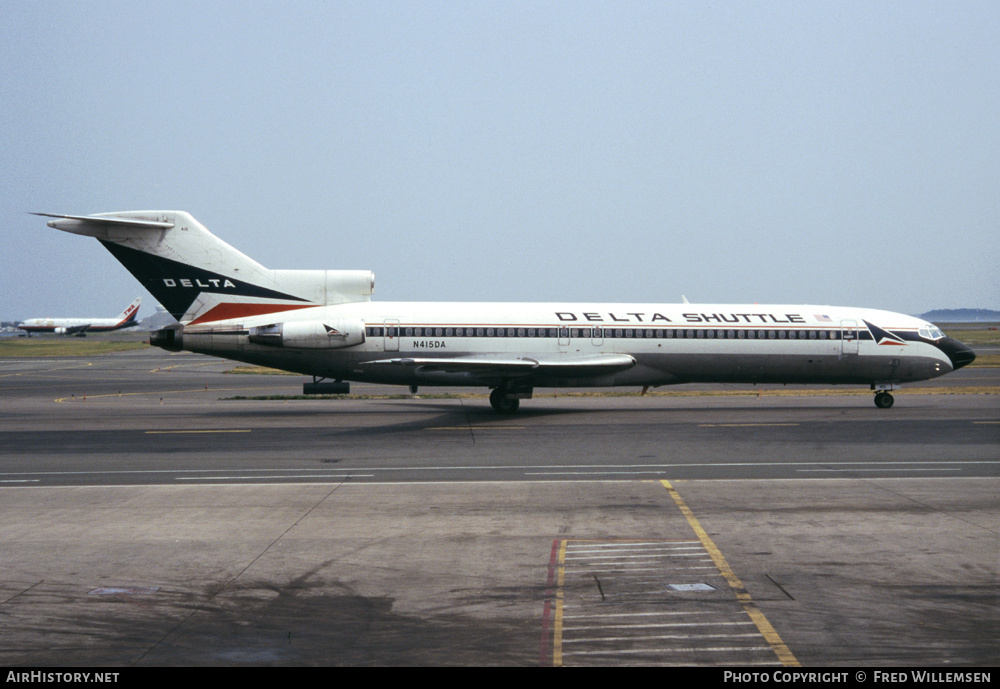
pixel 883 400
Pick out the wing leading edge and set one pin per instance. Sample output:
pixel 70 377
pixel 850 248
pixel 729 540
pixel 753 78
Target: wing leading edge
pixel 581 366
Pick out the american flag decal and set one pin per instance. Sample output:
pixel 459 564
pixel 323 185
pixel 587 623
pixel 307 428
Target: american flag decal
pixel 823 319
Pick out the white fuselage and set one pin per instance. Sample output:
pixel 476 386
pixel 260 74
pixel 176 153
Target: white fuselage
pixel 670 343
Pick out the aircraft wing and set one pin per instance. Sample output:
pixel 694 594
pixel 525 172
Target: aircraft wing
pixel 77 329
pixel 579 366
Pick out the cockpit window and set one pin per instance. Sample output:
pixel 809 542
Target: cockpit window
pixel 930 332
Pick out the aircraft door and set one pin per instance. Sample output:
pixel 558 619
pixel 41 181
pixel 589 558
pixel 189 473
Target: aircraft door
pixel 563 338
pixel 848 337
pixel 391 335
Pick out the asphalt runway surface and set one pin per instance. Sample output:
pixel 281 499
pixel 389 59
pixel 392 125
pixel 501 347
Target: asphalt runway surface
pixel 156 515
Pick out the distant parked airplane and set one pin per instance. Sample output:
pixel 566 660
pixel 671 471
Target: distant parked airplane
pixel 323 323
pixel 81 326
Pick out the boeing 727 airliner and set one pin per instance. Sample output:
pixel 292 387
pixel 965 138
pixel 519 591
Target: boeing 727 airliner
pixel 324 324
pixel 81 326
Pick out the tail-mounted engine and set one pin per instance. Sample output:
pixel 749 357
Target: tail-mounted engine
pixel 310 334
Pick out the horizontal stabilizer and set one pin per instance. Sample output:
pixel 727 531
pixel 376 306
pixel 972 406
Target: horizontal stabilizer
pixel 91 225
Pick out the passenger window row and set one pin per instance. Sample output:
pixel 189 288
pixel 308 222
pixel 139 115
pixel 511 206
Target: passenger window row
pixel 614 333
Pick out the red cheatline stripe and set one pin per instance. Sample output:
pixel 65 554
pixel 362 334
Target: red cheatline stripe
pixel 228 310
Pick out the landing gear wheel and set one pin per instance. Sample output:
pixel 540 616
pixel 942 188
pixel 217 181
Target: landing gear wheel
pixel 883 400
pixel 500 402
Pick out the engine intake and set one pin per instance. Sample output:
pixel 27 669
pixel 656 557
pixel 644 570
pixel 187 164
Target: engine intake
pixel 169 338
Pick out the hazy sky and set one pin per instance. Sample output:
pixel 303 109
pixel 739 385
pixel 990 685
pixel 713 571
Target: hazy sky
pixel 787 152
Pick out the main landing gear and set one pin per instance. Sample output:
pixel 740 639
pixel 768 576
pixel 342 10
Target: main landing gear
pixel 506 400
pixel 500 402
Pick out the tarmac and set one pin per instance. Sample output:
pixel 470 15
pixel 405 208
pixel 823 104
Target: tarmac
pixel 155 516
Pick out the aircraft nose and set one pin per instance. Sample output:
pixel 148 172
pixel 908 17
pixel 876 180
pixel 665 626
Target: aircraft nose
pixel 959 353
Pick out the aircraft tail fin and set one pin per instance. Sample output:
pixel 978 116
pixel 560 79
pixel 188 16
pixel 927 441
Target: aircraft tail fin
pixel 128 316
pixel 198 277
